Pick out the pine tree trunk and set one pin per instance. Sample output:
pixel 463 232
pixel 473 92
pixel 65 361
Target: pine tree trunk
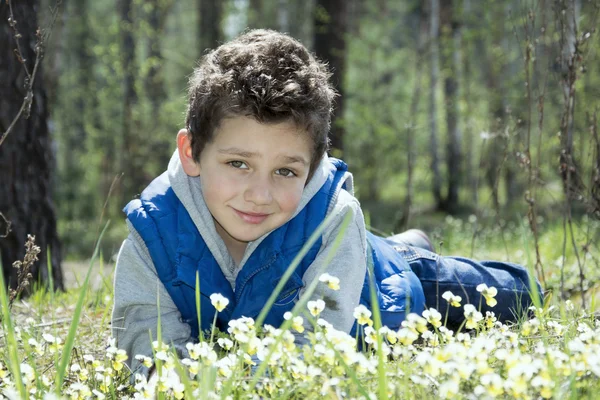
pixel 131 148
pixel 26 155
pixel 471 172
pixel 452 60
pixel 211 13
pixel 568 14
pixel 434 73
pixel 331 23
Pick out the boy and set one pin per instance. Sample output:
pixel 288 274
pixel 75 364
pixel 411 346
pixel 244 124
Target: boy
pixel 249 183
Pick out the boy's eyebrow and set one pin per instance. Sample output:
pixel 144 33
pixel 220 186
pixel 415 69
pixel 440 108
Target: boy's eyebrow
pixel 238 152
pixel 248 154
pixel 294 159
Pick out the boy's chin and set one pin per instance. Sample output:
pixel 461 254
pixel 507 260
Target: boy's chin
pixel 246 237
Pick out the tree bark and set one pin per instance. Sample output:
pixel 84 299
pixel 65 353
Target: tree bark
pixel 75 136
pixel 568 15
pixel 331 23
pixel 492 67
pixel 283 15
pixel 405 221
pixel 471 174
pixel 26 157
pixel 130 147
pixel 255 12
pixel 434 72
pixel 452 60
pixel 210 33
pixel 154 81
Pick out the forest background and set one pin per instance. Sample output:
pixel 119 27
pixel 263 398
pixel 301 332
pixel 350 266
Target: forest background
pixel 477 117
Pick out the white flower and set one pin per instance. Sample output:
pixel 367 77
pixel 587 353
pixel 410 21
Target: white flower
pixel 331 281
pixel 433 317
pixel 219 301
pixel 452 299
pixel 489 293
pixel 225 343
pixel 362 315
pixel 316 307
pixel 472 316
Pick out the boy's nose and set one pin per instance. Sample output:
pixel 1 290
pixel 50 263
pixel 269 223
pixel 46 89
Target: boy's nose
pixel 258 192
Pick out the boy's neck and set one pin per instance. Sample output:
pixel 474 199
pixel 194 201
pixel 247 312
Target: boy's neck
pixel 235 247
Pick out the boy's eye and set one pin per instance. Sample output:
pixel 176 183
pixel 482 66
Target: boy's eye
pixel 238 164
pixel 285 172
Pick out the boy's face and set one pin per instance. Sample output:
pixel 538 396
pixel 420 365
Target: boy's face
pixel 253 176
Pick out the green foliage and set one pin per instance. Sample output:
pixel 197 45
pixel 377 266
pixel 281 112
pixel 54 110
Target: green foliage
pixel 497 120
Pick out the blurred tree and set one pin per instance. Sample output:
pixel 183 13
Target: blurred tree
pixel 154 82
pixel 567 15
pixel 255 13
pixel 451 31
pixel 263 14
pixel 470 169
pixel 489 51
pixel 434 72
pixel 131 151
pixel 295 18
pixel 283 15
pixel 210 16
pixel 26 158
pixel 75 135
pixel 331 23
pixel 157 12
pixel 404 221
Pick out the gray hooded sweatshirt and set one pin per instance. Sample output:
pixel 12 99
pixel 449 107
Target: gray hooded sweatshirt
pixel 138 288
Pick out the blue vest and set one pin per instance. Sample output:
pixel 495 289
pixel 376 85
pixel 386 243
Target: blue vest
pixel 179 254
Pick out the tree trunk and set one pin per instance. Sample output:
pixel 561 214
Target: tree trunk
pixel 262 14
pixel 154 81
pixel 299 21
pixel 331 22
pixel 434 72
pixel 405 221
pixel 283 15
pixel 567 20
pixel 492 67
pixel 452 60
pixel 471 172
pixel 210 33
pixel 513 108
pixel 26 157
pixel 75 136
pixel 130 147
pixel 255 13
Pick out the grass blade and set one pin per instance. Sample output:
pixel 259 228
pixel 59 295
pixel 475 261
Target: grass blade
pixel 377 322
pixel 70 341
pixel 13 354
pixel 198 309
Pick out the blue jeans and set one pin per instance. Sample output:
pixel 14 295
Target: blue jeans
pixel 461 276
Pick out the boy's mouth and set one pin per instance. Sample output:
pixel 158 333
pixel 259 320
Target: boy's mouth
pixel 250 217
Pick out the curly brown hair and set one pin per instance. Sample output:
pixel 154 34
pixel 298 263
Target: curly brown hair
pixel 266 75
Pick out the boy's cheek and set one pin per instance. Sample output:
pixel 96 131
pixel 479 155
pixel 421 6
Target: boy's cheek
pixel 290 199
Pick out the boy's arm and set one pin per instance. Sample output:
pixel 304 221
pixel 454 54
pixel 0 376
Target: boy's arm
pixel 349 264
pixel 135 312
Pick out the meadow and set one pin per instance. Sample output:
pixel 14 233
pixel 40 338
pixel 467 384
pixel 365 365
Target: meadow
pixel 58 344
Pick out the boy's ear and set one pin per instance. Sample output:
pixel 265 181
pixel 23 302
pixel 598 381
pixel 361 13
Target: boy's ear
pixel 184 146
